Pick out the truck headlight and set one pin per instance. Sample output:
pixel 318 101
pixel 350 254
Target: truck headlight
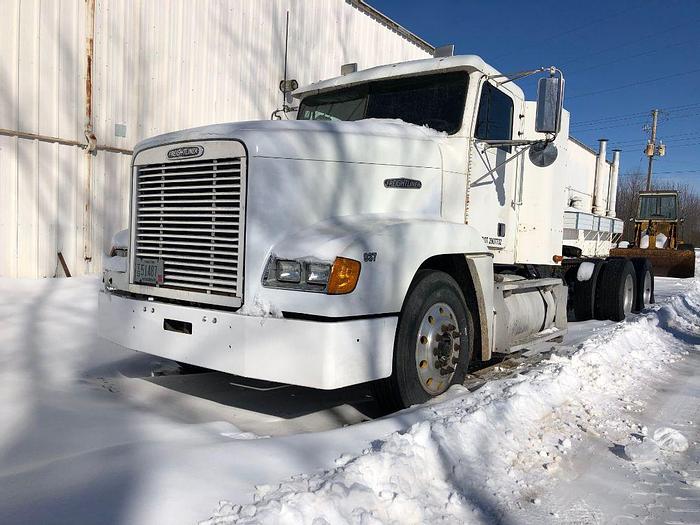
pixel 317 273
pixel 288 271
pixel 339 277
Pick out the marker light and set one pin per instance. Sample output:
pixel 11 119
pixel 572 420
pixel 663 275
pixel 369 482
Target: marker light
pixel 344 276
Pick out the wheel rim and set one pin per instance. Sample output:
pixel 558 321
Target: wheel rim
pixel 628 294
pixel 437 348
pixel 647 288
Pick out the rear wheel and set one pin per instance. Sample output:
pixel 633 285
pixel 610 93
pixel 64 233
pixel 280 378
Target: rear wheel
pixel 433 343
pixel 585 293
pixel 645 283
pixel 616 289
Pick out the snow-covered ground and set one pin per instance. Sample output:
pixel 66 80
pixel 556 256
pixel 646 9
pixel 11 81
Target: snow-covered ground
pixel 607 430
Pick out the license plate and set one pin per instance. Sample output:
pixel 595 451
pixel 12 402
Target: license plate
pixel 148 271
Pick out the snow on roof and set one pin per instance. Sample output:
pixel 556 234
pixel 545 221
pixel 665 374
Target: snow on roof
pixel 404 69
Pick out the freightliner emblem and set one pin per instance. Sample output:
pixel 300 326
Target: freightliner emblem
pixel 186 152
pixel 411 184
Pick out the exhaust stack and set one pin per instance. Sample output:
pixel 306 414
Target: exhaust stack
pixel 612 186
pixel 599 188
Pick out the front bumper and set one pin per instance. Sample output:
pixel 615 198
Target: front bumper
pixel 315 354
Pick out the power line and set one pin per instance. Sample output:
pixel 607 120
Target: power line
pixel 572 30
pixel 675 142
pixel 609 126
pixel 629 57
pixel 595 127
pixel 642 145
pixel 635 116
pixel 629 116
pixel 616 48
pixel 676 171
pixel 638 83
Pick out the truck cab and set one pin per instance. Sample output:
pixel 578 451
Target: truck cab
pixel 407 222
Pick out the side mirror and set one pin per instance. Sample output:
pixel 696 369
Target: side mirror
pixel 550 101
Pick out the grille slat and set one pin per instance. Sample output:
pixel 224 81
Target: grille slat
pixel 163 253
pixel 189 208
pixel 162 215
pixel 208 231
pixel 183 267
pixel 149 184
pixel 214 261
pixel 166 201
pixel 198 223
pixel 173 175
pixel 163 243
pixel 202 288
pixel 189 279
pixel 182 167
pixel 157 189
pixel 188 214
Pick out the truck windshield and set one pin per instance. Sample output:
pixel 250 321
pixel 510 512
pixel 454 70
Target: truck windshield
pixel 657 207
pixel 436 101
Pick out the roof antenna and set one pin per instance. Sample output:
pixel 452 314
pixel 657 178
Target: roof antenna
pixel 286 86
pixel 286 49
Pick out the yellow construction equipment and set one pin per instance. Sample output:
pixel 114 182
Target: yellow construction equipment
pixel 656 236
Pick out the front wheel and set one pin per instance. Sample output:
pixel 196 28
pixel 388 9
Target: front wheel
pixel 433 343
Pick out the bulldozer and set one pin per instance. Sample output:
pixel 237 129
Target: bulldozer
pixel 657 236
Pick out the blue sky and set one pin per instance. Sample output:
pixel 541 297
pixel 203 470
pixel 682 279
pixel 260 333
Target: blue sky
pixel 620 59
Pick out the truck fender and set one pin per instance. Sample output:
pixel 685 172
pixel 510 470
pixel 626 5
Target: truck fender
pixel 391 251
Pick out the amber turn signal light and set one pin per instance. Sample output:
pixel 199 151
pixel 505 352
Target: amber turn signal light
pixel 557 258
pixel 344 276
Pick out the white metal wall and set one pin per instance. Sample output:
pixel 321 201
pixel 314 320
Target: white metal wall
pixel 158 66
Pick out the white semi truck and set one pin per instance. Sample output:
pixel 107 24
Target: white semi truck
pixel 411 219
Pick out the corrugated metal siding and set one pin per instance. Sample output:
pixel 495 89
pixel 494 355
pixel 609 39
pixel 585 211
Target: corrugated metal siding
pixel 41 76
pixel 158 67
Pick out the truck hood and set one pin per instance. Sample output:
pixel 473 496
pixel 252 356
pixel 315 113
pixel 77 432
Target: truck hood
pixel 371 141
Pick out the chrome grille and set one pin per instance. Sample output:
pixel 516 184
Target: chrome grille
pixel 189 215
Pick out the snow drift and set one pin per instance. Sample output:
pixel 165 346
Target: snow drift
pixel 475 456
pixel 76 447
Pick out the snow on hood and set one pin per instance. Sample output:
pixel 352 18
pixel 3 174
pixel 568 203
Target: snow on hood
pixel 394 128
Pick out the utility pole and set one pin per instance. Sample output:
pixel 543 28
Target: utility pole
pixel 651 145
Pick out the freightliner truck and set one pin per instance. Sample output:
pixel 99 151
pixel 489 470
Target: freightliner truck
pixel 411 219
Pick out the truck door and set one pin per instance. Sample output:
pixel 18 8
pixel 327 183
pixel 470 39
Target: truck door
pixel 492 183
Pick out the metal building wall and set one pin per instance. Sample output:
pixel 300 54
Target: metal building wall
pixel 157 66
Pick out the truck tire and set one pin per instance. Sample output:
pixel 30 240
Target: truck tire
pixel 433 343
pixel 645 283
pixel 615 292
pixel 584 294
